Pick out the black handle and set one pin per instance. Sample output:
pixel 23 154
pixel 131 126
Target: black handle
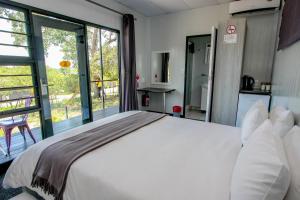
pixel 252 81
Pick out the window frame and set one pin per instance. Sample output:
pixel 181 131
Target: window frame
pixel 21 61
pixel 27 23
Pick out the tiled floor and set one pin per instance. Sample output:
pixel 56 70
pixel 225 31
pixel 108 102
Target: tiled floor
pixel 18 145
pixel 195 114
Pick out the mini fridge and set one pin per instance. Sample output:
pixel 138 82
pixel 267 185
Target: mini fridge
pixel 246 100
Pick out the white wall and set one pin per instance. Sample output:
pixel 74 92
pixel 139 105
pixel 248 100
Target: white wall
pixel 168 32
pixel 286 79
pixel 83 10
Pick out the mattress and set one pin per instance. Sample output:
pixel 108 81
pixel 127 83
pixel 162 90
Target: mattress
pixel 171 159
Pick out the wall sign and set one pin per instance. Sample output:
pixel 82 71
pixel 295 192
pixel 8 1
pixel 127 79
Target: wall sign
pixel 230 38
pixel 231 29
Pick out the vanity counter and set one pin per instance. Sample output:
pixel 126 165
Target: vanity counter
pixel 155 90
pixel 162 91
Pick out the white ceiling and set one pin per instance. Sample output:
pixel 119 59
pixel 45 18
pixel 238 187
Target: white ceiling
pixel 160 7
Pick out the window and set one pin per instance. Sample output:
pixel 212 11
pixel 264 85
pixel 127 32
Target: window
pixel 19 109
pixel 13 33
pixel 109 44
pixel 104 70
pixel 17 81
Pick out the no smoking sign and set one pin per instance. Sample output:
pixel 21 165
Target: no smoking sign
pixel 231 29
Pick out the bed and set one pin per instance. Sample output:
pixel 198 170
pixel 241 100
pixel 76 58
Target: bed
pixel 171 158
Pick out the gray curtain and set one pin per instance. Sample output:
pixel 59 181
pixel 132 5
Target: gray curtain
pixel 290 24
pixel 129 94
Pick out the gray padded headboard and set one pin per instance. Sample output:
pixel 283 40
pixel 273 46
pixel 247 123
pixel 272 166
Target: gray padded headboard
pixel 291 103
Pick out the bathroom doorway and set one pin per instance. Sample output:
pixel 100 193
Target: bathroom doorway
pixel 199 67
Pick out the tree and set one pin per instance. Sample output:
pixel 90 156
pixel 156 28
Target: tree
pixel 18 27
pixel 63 81
pixel 109 55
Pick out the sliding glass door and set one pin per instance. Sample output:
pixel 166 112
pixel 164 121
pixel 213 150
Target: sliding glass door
pixel 62 73
pixel 103 48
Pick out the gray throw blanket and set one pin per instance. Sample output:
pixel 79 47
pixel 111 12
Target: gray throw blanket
pixel 52 169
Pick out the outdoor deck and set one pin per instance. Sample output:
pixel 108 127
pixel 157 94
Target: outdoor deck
pixel 17 142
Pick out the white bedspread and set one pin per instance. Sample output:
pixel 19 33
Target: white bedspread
pixel 172 159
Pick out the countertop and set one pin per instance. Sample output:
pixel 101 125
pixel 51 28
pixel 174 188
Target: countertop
pixel 155 90
pixel 258 92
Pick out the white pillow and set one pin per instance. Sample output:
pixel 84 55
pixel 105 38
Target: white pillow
pixel 292 146
pixel 255 116
pixel 282 120
pixel 261 171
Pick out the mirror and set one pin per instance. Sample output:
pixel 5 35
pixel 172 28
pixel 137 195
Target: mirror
pixel 160 67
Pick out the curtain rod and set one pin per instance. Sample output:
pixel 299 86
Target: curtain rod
pixel 105 7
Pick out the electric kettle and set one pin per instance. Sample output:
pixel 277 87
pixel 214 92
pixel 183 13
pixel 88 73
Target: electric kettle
pixel 247 82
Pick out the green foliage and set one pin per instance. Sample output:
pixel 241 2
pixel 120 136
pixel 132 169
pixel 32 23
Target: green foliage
pixel 14 81
pixel 16 26
pixel 64 39
pixel 109 54
pixel 12 14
